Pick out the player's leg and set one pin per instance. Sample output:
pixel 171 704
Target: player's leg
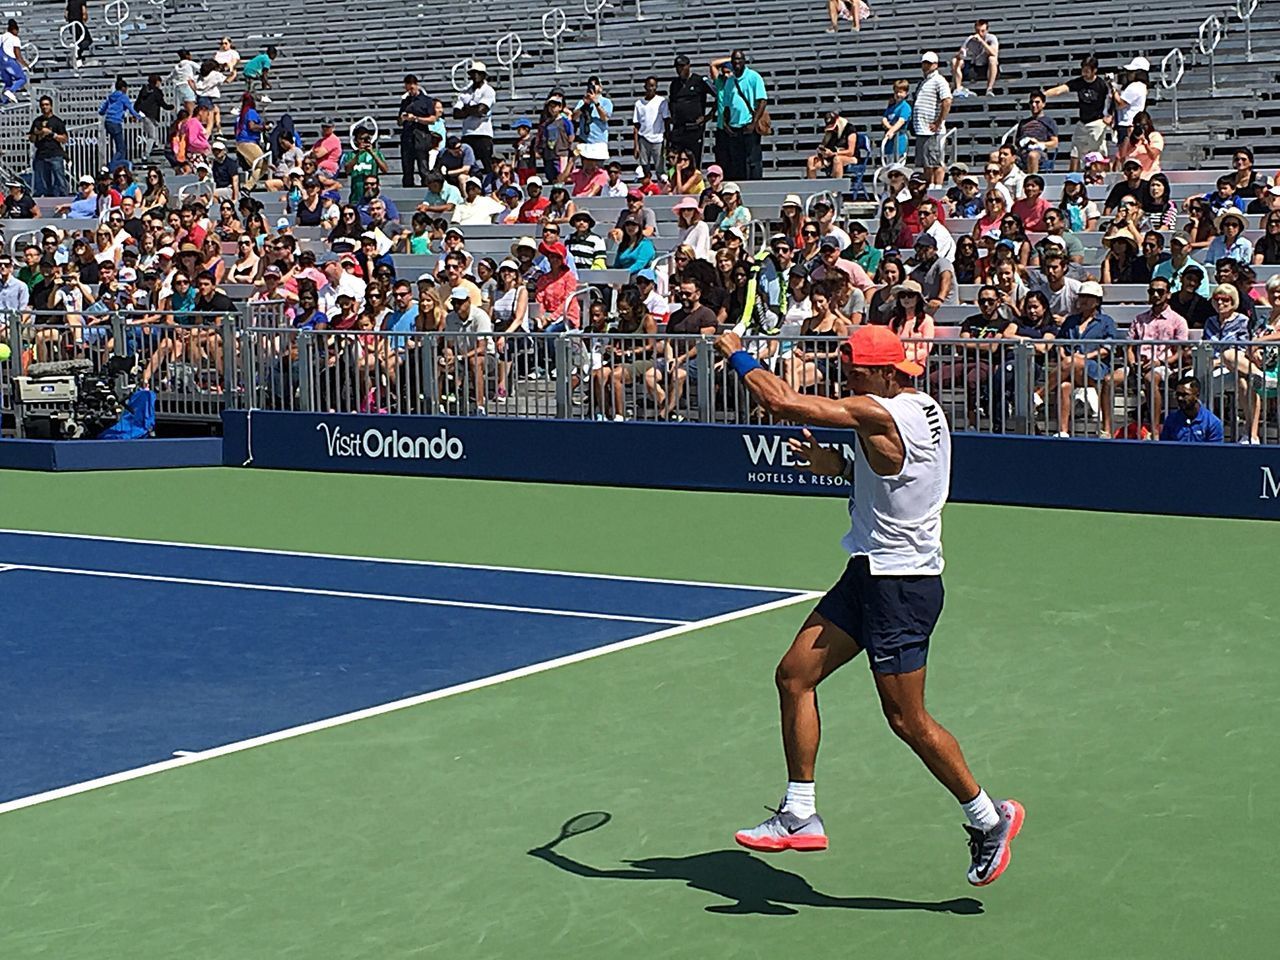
pixel 824 644
pixel 899 616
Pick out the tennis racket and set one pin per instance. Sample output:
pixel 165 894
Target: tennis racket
pixel 575 826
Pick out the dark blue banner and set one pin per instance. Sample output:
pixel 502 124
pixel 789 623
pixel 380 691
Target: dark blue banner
pixel 1132 476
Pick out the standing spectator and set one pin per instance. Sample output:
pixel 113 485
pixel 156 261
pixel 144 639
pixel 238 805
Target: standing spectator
pixel 1093 98
pixel 741 104
pixel 78 12
pixel 13 66
pixel 554 139
pixel 649 126
pixel 474 107
pixel 248 137
pixel 977 58
pixel 417 113
pixel 1130 95
pixel 49 161
pixel 209 83
pixel 150 103
pixel 227 57
pixel 839 147
pixel 257 72
pixel 897 122
pixel 113 112
pixel 185 72
pixel 1036 136
pixel 592 116
pixel 365 160
pixel 929 114
pixel 690 104
pixel 1192 422
pixel 1144 144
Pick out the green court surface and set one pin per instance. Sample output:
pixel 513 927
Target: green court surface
pixel 1117 674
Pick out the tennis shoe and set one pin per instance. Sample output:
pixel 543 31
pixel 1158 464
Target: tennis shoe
pixel 989 850
pixel 785 831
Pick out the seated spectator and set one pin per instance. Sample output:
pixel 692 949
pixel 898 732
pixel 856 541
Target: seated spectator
pixel 588 179
pixel 1151 364
pixel 1014 235
pixel 457 161
pixel 977 59
pixel 971 366
pixel 18 204
pixel 666 381
pixel 1159 212
pixel 1188 301
pixel 585 247
pixel 735 213
pixel 686 178
pixel 912 323
pixel 1121 262
pixel 1221 199
pixel 1096 166
pixel 442 198
pixel 476 208
pixel 1131 186
pixel 1267 250
pixel 1083 361
pixel 635 251
pixel 860 250
pixel 1179 261
pixel 830 262
pixel 930 214
pixel 616 186
pixel 532 209
pixel 935 274
pixel 645 182
pixel 837 149
pixel 1230 241
pixel 1036 137
pixel 1033 207
pixel 825 214
pixel 692 232
pixel 554 291
pixel 560 208
pixel 993 215
pixel 966 261
pixel 1058 237
pixel 1192 422
pixel 86 203
pixel 967 201
pixel 635 208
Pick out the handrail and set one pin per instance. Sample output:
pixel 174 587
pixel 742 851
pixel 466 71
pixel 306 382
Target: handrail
pixel 462 65
pixel 593 8
pixel 1210 34
pixel 369 123
pixel 116 14
pixel 508 56
pixel 1172 67
pixel 70 35
pixel 556 16
pixel 1244 10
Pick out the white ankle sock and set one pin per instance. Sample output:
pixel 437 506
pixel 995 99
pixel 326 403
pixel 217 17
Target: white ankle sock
pixel 981 811
pixel 800 798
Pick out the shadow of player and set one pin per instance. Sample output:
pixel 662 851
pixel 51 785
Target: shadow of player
pixel 751 885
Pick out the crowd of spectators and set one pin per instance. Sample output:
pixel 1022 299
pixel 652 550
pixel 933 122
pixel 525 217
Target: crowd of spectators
pixel 332 256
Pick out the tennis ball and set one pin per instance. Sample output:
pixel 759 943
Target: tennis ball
pixel 5 352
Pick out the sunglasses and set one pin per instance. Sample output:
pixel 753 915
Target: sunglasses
pixel 1157 289
pixel 987 300
pixel 809 233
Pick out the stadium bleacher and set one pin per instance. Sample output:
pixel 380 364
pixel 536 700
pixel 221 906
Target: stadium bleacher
pixel 350 66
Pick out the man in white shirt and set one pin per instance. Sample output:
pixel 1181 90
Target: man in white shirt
pixel 476 208
pixel 341 280
pixel 1011 175
pixel 898 458
pixel 649 126
pixel 978 57
pixel 474 107
pixel 463 355
pixel 929 115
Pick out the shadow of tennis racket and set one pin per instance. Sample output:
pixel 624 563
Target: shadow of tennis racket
pixel 576 826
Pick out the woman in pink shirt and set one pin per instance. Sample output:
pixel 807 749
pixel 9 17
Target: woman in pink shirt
pixel 911 322
pixel 195 130
pixel 1143 144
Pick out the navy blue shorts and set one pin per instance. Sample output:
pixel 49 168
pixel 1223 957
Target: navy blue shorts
pixel 889 617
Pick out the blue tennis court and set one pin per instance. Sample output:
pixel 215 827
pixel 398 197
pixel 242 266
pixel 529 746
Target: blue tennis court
pixel 129 657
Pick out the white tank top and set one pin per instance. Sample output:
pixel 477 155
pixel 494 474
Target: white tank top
pixel 896 521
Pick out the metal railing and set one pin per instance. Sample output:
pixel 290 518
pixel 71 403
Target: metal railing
pixel 255 360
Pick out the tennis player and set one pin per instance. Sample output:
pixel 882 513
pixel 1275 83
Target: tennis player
pixel 889 597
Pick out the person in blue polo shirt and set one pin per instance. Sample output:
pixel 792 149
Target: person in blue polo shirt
pixel 1191 422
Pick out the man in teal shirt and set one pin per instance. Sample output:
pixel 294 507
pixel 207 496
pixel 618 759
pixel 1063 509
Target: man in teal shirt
pixel 741 101
pixel 1179 260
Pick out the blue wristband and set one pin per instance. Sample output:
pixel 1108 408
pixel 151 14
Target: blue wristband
pixel 743 363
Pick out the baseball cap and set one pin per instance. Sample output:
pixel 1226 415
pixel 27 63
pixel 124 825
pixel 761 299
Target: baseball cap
pixel 646 274
pixel 634 194
pixel 272 271
pixel 85 178
pixel 1138 63
pixel 521 122
pixel 857 226
pixel 477 66
pixel 871 345
pixel 459 293
pixel 453 141
pixel 715 168
pixel 455 230
pixel 1091 288
pixel 127 275
pixel 1094 157
pixel 282 223
pixel 917 176
pixel 1055 241
pixel 326 121
pixel 1074 178
pixel 1182 238
pixel 219 145
pixel 165 252
pixel 778 238
pixel 829 242
pixel 1131 162
pixel 925 240
pixel 509 264
pixel 928 57
pixel 730 186
pixel 533 182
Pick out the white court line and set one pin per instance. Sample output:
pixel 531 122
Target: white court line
pixel 5 567
pixel 346 594
pixel 222 751
pixel 414 563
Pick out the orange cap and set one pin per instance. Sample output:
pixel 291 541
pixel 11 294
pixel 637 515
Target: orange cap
pixel 876 346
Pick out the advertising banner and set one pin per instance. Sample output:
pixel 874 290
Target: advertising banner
pixel 1221 480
